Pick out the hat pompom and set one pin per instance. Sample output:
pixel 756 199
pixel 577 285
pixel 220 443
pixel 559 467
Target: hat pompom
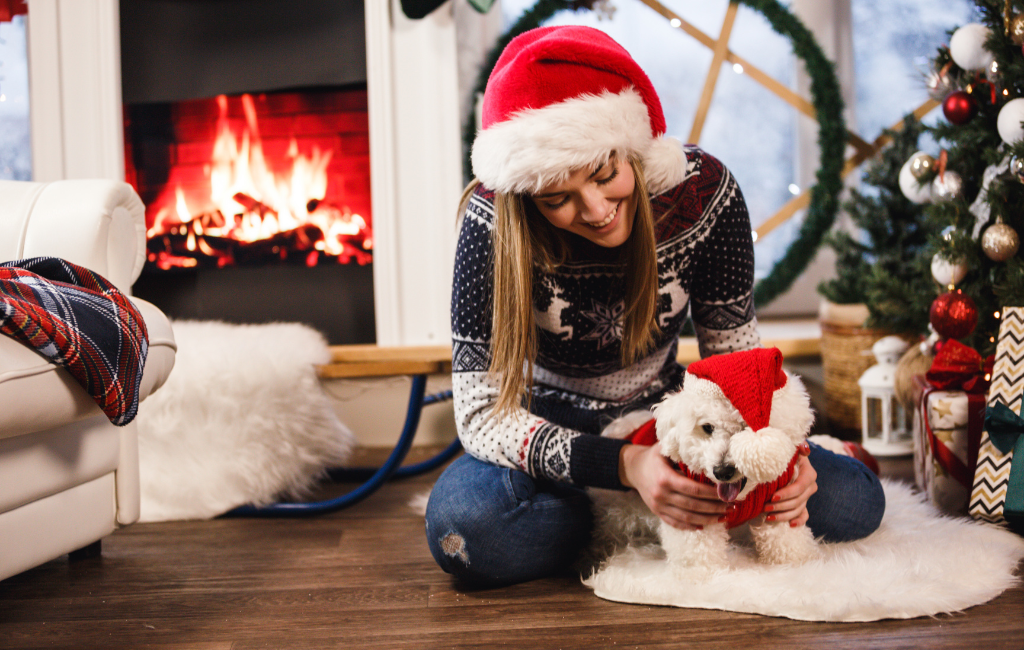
pixel 762 456
pixel 664 164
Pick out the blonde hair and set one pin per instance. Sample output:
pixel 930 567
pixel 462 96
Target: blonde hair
pixel 519 242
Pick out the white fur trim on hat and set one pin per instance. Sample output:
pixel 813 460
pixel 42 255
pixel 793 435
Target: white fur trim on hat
pixel 538 147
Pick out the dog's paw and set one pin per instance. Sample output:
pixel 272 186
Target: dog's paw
pixel 778 543
pixel 695 555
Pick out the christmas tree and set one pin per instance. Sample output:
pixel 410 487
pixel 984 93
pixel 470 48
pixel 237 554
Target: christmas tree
pixel 972 189
pixel 881 266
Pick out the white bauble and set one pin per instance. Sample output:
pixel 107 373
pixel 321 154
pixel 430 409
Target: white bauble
pixel 947 186
pixel 967 47
pixel 1008 122
pixel 913 189
pixel 946 272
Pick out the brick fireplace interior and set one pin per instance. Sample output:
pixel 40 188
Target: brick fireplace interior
pixel 246 136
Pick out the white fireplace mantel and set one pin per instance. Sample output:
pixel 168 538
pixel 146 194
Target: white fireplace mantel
pixel 415 146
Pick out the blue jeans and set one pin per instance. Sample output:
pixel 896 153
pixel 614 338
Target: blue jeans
pixel 490 526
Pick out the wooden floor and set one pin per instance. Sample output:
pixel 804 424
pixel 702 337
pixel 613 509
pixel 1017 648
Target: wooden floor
pixel 363 578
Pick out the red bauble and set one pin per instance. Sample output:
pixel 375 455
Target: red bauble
pixel 953 315
pixel 959 108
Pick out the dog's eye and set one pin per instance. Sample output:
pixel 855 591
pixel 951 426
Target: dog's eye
pixel 708 428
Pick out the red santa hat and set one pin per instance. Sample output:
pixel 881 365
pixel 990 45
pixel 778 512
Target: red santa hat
pixel 564 98
pixel 748 379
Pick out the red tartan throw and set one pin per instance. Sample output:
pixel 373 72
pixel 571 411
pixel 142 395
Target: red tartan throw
pixel 78 320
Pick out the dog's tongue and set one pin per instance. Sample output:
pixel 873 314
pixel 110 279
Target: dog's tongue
pixel 729 491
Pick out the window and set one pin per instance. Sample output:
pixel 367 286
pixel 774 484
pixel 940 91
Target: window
pixel 15 144
pixel 893 44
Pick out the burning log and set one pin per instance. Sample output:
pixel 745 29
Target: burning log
pixel 279 246
pixel 251 204
pixel 197 247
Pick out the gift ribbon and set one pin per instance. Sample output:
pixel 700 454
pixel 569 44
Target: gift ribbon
pixel 1004 430
pixel 947 459
pixel 958 367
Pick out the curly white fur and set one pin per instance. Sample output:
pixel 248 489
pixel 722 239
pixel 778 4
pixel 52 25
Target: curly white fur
pixel 699 427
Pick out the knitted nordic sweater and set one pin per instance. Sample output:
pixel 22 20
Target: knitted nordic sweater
pixel 705 270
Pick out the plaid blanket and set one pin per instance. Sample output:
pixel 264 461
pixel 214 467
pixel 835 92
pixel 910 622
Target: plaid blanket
pixel 80 321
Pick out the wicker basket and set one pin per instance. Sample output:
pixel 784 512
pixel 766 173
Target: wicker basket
pixel 845 355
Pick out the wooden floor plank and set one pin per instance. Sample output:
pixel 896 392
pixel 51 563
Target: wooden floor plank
pixel 363 578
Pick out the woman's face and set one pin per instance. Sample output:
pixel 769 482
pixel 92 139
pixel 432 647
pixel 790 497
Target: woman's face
pixel 598 204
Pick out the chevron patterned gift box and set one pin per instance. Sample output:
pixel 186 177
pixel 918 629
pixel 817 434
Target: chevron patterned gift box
pixel 998 492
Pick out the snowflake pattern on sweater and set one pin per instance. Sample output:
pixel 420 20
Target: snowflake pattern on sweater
pixel 705 271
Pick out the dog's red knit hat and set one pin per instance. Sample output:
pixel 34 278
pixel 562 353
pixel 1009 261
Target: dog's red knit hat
pixel 748 380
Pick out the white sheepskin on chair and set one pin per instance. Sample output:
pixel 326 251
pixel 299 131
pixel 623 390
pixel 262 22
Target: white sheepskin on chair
pixel 242 419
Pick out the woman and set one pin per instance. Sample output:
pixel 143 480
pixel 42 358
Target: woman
pixel 585 244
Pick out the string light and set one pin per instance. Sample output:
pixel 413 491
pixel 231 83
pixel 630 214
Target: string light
pixel 675 22
pixel 753 233
pixel 737 68
pixel 996 314
pixel 794 189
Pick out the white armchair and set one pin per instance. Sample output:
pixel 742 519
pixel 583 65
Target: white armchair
pixel 68 477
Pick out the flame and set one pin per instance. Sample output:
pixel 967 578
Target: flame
pixel 249 201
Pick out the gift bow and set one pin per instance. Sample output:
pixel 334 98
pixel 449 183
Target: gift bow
pixel 959 367
pixel 1004 430
pixel 1003 426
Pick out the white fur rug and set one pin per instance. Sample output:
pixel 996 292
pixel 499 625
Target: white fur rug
pixel 918 563
pixel 242 419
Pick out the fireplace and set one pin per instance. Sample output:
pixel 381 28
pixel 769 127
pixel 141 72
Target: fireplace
pixel 93 64
pixel 251 180
pixel 258 203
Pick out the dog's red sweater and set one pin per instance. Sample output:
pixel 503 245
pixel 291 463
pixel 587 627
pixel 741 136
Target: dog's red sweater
pixel 751 506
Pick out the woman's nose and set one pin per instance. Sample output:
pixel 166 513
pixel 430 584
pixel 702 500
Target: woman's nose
pixel 596 207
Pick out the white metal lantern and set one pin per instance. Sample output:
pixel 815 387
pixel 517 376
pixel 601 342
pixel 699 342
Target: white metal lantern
pixel 885 424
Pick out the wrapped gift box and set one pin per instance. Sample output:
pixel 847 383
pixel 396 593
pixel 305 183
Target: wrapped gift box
pixel 944 460
pixel 998 491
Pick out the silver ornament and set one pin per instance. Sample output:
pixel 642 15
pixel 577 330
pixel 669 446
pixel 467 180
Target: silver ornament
pixel 939 84
pixel 992 72
pixel 1017 168
pixel 947 186
pixel 1000 242
pixel 922 166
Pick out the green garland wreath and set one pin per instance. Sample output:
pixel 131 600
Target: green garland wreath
pixel 828 103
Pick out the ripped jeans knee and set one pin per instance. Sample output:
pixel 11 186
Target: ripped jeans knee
pixel 453 545
pixel 489 526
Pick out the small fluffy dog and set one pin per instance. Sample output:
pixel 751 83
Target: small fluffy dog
pixel 737 424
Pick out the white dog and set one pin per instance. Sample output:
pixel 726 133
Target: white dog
pixel 737 423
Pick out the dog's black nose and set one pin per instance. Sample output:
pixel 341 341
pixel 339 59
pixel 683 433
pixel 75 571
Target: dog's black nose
pixel 725 472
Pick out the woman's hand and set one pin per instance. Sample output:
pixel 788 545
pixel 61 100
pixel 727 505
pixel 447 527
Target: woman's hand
pixel 790 503
pixel 680 502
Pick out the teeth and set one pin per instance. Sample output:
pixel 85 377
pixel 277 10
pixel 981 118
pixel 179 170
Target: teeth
pixel 607 219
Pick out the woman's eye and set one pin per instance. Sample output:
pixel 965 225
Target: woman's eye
pixel 708 428
pixel 555 205
pixel 609 178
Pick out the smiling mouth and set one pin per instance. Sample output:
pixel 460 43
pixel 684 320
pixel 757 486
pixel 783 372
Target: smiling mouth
pixel 608 219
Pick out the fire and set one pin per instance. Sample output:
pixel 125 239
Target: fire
pixel 253 210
